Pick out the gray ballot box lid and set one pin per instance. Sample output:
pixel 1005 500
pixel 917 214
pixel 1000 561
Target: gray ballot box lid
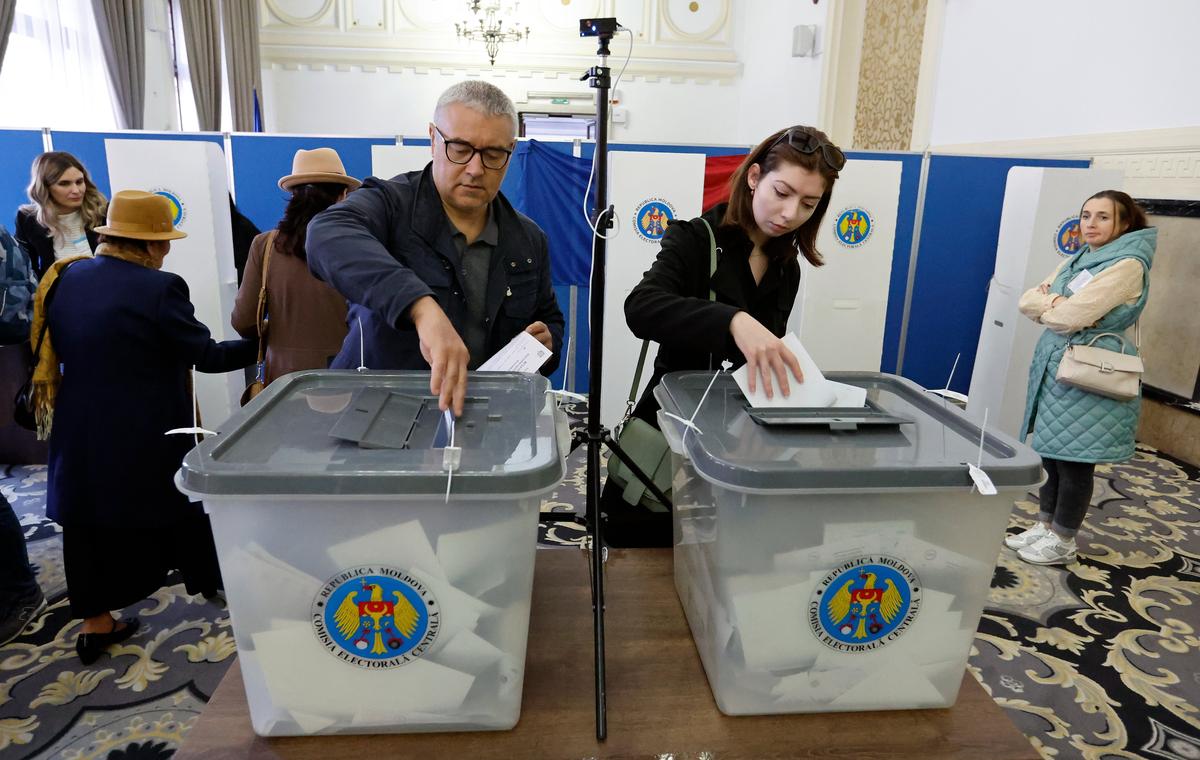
pixel 907 439
pixel 341 432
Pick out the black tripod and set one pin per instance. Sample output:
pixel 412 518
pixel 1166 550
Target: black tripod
pixel 597 435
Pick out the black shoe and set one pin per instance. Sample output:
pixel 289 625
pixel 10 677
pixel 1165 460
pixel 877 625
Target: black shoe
pixel 12 625
pixel 90 646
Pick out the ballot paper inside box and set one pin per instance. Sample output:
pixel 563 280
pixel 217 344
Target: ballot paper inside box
pixel 839 569
pixel 365 598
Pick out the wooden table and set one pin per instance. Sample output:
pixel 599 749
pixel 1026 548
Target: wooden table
pixel 658 698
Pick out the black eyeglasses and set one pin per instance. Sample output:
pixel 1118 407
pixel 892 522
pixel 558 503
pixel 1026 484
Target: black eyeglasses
pixel 461 152
pixel 806 142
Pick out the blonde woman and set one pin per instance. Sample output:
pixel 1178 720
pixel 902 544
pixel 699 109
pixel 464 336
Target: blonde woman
pixel 64 210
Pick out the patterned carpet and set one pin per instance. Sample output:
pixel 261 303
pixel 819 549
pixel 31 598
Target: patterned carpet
pixel 1097 660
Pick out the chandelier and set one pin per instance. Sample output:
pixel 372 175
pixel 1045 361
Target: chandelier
pixel 490 29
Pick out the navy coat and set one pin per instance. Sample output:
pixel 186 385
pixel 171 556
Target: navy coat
pixel 126 336
pixel 389 243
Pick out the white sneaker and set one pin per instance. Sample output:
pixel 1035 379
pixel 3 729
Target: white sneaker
pixel 1049 550
pixel 1027 538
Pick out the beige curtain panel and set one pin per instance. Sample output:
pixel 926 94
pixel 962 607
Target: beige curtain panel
pixel 8 11
pixel 121 25
pixel 241 59
pixel 202 39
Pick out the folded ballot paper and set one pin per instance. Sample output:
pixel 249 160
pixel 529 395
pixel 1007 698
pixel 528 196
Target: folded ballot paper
pixel 815 391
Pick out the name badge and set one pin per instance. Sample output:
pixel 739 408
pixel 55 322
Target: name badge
pixel 1080 281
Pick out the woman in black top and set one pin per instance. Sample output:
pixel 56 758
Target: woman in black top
pixel 777 201
pixel 64 211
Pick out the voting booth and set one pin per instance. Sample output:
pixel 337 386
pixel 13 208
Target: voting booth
pixel 648 191
pixel 191 176
pixel 378 560
pixel 834 559
pixel 1039 229
pixel 840 312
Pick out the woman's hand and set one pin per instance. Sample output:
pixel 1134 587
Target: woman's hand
pixel 1044 289
pixel 765 354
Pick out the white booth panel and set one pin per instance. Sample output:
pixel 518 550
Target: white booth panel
pixel 646 190
pixel 841 308
pixel 1038 230
pixel 192 176
pixel 389 160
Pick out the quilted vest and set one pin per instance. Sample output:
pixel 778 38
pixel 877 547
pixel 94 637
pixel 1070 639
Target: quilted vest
pixel 1069 423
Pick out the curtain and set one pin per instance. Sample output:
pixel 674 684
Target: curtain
pixel 202 38
pixel 120 24
pixel 241 59
pixel 551 185
pixel 8 11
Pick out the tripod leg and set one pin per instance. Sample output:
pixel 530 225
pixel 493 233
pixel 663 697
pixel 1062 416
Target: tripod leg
pixel 646 480
pixel 595 532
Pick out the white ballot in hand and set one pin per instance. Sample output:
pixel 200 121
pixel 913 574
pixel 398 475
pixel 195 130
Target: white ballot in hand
pixel 815 391
pixel 524 353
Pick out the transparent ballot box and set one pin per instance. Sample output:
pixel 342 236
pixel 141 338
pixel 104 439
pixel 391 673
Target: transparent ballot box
pixel 834 559
pixel 377 560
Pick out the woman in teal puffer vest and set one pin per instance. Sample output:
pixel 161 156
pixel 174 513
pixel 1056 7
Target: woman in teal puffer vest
pixel 1101 289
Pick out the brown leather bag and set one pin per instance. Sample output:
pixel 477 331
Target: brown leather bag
pixel 260 367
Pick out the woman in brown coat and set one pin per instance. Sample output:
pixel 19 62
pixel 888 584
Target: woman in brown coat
pixel 307 318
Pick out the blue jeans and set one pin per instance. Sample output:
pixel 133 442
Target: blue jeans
pixel 17 584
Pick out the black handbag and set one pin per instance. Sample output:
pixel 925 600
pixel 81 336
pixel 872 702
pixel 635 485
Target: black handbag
pixel 23 412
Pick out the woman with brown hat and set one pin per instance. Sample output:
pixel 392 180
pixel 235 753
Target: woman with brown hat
pixel 125 336
pixel 307 317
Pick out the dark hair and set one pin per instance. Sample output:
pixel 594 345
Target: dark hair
pixel 769 154
pixel 140 245
pixel 308 200
pixel 1126 210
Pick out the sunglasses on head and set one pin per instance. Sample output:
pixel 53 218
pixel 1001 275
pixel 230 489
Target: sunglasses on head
pixel 806 142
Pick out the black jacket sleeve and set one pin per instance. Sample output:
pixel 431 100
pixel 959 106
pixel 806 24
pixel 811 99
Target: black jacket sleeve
pixel 347 248
pixel 192 341
pixel 670 305
pixel 32 238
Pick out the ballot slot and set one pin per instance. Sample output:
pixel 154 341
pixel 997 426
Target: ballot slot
pixel 378 418
pixel 834 418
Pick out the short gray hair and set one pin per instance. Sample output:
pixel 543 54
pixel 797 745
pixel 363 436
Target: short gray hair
pixel 486 98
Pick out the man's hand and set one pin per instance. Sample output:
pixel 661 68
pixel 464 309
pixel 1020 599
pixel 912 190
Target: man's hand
pixel 765 354
pixel 445 351
pixel 542 333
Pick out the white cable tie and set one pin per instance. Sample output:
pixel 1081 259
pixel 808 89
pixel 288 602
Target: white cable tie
pixel 362 351
pixel 561 395
pixel 978 476
pixel 193 430
pixel 685 423
pixel 451 455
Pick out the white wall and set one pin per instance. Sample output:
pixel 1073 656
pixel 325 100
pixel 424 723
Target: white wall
pixel 774 90
pixel 777 90
pixel 1028 69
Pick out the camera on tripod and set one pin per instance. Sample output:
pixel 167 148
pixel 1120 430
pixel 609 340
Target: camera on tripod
pixel 597 27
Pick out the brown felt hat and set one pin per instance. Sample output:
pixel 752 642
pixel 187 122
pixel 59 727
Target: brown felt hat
pixel 140 216
pixel 317 165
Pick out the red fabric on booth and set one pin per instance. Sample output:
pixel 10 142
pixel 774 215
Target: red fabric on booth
pixel 717 171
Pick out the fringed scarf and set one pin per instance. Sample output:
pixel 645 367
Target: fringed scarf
pixel 46 374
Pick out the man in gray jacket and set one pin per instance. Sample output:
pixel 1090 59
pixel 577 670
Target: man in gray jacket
pixel 439 269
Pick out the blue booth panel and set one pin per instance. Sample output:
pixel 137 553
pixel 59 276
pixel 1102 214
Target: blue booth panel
pixel 18 148
pixel 964 196
pixel 259 161
pixel 89 148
